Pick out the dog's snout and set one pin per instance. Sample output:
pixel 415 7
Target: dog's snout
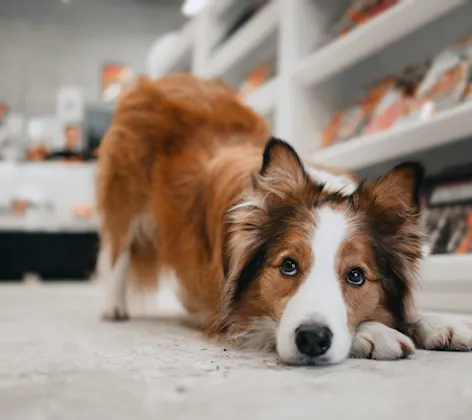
pixel 313 339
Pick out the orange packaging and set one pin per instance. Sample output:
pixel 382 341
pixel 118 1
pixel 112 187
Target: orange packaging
pixel 256 78
pixel 447 80
pixel 360 12
pixel 392 107
pixel 466 244
pixel 351 121
pixel 83 211
pixel 331 130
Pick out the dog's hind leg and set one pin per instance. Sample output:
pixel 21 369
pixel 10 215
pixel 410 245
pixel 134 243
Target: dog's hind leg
pixel 117 308
pixel 134 258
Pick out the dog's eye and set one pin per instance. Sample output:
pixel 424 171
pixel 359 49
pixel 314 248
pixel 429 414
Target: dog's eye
pixel 288 267
pixel 355 276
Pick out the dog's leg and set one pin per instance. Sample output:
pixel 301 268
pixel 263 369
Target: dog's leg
pixel 440 332
pixel 374 340
pixel 117 308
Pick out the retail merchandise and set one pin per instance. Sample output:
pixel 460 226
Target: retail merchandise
pixel 447 215
pixel 116 80
pixel 386 104
pixel 257 77
pixel 417 93
pixel 358 13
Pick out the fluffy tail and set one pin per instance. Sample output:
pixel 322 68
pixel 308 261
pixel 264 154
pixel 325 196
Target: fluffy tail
pixel 170 110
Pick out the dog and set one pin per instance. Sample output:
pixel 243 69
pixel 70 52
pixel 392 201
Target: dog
pixel 271 252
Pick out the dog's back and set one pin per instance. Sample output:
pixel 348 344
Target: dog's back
pixel 167 140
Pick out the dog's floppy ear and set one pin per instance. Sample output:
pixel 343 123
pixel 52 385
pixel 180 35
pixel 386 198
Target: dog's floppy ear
pixel 282 170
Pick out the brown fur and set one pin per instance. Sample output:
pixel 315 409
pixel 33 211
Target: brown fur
pixel 183 182
pixel 279 215
pixel 178 153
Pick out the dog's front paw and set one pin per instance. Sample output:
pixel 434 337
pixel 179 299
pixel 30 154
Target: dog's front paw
pixel 438 332
pixel 374 340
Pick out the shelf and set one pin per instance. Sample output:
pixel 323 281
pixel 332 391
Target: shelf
pixel 46 165
pixel 444 128
pixel 254 32
pixel 181 53
pixel 9 223
pixel 222 6
pixel 443 269
pixel 380 32
pixel 446 284
pixel 263 99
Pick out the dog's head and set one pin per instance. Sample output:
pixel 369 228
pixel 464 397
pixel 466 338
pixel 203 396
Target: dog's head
pixel 308 261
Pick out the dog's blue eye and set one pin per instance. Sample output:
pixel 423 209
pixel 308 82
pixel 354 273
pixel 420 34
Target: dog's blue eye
pixel 288 267
pixel 355 276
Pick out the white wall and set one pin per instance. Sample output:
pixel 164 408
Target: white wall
pixel 45 44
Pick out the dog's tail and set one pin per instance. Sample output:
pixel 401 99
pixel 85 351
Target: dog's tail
pixel 154 122
pixel 170 110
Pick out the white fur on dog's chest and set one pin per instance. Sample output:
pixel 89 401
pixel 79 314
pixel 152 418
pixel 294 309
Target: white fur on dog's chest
pixel 335 183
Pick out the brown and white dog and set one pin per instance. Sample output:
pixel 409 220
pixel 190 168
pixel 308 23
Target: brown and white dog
pixel 270 252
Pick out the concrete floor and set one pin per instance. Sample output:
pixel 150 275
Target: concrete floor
pixel 59 361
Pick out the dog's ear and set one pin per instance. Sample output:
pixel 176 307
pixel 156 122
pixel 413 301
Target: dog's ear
pixel 393 199
pixel 392 204
pixel 401 185
pixel 282 170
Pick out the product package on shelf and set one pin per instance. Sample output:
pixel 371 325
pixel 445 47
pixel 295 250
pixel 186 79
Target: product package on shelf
pixel 419 92
pixel 399 103
pixel 351 121
pixel 380 108
pixel 256 78
pixel 447 215
pixel 448 79
pixel 358 13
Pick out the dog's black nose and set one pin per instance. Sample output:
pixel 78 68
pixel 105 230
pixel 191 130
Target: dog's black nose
pixel 313 339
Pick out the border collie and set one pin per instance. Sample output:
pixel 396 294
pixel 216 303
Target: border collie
pixel 271 252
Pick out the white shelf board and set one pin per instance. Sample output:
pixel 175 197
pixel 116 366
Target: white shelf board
pixel 450 303
pixel 443 269
pixel 181 52
pixel 380 32
pixel 444 128
pixel 263 99
pixel 221 6
pixel 446 284
pixel 243 41
pixel 10 223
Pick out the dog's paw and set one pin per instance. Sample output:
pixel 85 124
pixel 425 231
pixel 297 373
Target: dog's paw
pixel 374 340
pixel 438 332
pixel 115 314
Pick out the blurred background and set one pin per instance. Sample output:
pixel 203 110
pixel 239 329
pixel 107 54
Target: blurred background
pixel 358 84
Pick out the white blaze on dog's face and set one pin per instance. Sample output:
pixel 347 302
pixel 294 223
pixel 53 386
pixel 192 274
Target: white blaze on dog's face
pixel 317 309
pixel 311 257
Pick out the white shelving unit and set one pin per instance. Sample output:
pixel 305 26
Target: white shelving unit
pixel 445 128
pixel 243 42
pixel 394 24
pixel 264 99
pixel 446 283
pixel 180 57
pixel 311 83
